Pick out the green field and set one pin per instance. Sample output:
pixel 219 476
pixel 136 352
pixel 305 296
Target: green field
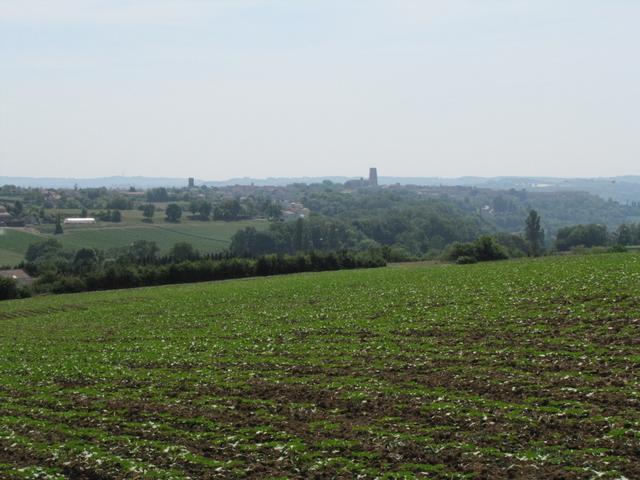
pixel 13 245
pixel 208 237
pixel 517 369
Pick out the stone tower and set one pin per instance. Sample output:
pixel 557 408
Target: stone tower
pixel 373 177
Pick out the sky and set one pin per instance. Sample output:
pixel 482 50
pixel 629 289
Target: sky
pixel 218 89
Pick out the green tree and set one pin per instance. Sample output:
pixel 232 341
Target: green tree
pixel 229 209
pixel 534 234
pixel 120 203
pixel 204 210
pixel 173 212
pixel 250 241
pixel 18 208
pixel 58 230
pixel 116 216
pixel 85 260
pixel 148 211
pixel 157 195
pixel 486 249
pixel 591 235
pixel 624 235
pixel 143 251
pixel 183 251
pixel 8 289
pixel 298 236
pixel 273 210
pixel 45 248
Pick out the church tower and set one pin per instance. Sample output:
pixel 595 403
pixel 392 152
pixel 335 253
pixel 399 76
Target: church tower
pixel 373 177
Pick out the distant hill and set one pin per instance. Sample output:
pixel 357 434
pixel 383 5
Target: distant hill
pixel 109 182
pixel 624 189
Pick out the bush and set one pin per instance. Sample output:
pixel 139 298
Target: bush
pixel 484 249
pixel 120 203
pixel 582 235
pixel 68 285
pixel 458 250
pixel 8 289
pixel 44 248
pixel 183 251
pixel 466 260
pixel 514 245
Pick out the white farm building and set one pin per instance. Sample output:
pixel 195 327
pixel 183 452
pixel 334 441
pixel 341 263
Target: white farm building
pixel 79 221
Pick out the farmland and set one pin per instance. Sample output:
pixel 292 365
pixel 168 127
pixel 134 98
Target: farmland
pixel 208 237
pixel 13 245
pixel 518 369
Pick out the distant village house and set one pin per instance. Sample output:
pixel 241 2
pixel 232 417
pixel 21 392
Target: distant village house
pixel 294 211
pixel 4 216
pixel 21 277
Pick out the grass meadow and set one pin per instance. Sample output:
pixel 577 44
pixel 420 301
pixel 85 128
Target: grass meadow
pixel 13 245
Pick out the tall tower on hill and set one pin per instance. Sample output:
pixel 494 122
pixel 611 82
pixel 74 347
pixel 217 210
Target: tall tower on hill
pixel 373 177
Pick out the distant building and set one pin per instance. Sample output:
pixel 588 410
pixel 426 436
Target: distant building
pixel 132 193
pixel 4 216
pixel 294 211
pixel 21 277
pixel 373 177
pixel 192 182
pixel 371 182
pixel 79 221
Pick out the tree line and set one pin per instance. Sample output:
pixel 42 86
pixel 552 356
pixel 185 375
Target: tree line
pixel 62 271
pixel 407 235
pixel 595 235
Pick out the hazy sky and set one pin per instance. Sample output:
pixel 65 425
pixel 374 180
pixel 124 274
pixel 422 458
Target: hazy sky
pixel 224 88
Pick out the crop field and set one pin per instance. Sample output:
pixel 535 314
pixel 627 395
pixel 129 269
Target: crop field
pixel 208 237
pixel 517 369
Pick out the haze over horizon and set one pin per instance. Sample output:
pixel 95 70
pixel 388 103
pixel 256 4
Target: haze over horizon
pixel 255 88
pixel 183 179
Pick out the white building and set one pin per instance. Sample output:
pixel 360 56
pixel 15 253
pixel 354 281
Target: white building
pixel 79 221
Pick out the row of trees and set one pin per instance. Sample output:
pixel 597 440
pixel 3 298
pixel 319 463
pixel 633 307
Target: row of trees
pixel 503 246
pixel 594 235
pixel 59 270
pixel 315 233
pixel 117 275
pixel 414 232
pixel 582 235
pixel 227 210
pixel 410 234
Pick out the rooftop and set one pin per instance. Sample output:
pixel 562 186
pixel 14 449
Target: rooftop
pixel 19 275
